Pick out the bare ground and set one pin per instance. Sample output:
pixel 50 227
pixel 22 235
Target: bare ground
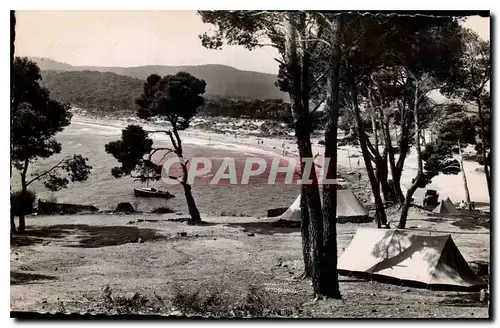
pixel 63 263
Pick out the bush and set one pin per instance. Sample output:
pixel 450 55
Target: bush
pixel 163 210
pixel 26 205
pixel 137 303
pixel 194 302
pixel 125 208
pixel 256 303
pixel 212 300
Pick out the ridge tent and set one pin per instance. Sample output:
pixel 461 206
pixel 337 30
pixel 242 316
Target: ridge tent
pixel 396 255
pixel 349 208
pixel 446 207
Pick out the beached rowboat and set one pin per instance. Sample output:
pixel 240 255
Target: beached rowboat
pixel 152 192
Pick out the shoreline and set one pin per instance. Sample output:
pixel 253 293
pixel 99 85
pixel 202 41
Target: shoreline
pixel 349 157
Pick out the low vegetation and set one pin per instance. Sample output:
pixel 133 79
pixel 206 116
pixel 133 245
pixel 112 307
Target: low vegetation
pixel 189 301
pixel 162 210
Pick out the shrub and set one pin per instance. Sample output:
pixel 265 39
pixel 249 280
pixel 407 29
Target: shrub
pixel 256 303
pixel 137 303
pixel 163 210
pixel 17 203
pixel 194 302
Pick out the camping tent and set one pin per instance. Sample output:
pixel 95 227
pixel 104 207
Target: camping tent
pixel 446 207
pixel 349 208
pixel 433 261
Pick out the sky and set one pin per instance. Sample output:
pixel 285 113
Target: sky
pixel 136 38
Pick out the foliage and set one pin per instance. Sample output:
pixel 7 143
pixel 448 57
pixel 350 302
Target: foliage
pixel 137 303
pixel 76 170
pixel 35 120
pixel 247 28
pixel 471 78
pixel 175 97
pixel 454 129
pixel 256 302
pixel 20 204
pixel 470 83
pixel 273 109
pixel 130 151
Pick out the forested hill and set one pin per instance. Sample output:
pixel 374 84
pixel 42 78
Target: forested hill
pixel 104 92
pixel 222 81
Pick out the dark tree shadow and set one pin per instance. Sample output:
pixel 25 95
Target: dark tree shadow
pixel 23 240
pixel 89 236
pixel 473 223
pixel 435 219
pixel 468 224
pixel 268 228
pixel 22 278
pixel 467 220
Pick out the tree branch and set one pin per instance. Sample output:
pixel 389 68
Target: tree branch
pixel 167 132
pixel 328 21
pixel 319 78
pixel 318 105
pixel 46 172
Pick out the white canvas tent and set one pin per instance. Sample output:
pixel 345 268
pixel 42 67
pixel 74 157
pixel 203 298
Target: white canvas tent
pixel 348 207
pixel 433 261
pixel 446 207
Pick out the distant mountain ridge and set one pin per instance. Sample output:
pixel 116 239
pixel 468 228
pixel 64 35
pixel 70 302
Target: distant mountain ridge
pixel 222 81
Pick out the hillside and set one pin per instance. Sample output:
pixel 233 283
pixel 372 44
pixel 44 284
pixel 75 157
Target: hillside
pixel 222 81
pixel 93 90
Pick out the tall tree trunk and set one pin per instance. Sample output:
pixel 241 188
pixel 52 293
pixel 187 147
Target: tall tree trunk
pixel 396 180
pixel 304 206
pixel 395 188
pixel 483 148
pixel 383 177
pixel 379 211
pixel 403 149
pixel 194 213
pixel 329 284
pixel 305 234
pixel 420 170
pixel 193 209
pixel 464 177
pixel 303 125
pixel 311 192
pixel 22 201
pixel 12 222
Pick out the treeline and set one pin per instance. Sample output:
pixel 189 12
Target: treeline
pixel 273 109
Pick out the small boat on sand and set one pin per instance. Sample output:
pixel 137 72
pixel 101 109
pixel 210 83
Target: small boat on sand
pixel 152 192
